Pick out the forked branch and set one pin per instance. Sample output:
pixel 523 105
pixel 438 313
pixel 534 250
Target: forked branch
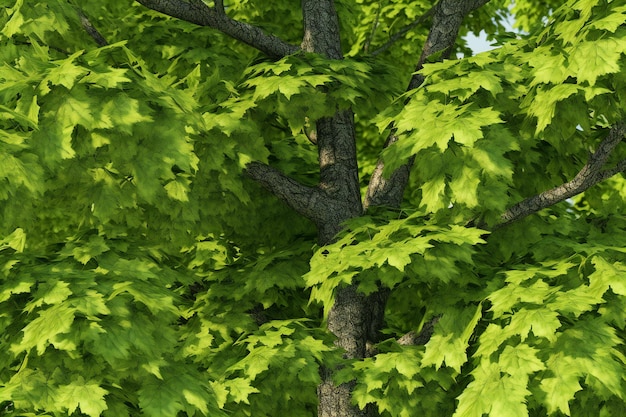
pixel 592 173
pixel 215 17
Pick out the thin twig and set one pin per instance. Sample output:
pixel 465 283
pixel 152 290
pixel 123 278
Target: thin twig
pixel 91 30
pixel 590 174
pixel 399 34
pixel 369 40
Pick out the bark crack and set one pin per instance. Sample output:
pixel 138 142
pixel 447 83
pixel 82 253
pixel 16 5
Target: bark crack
pixel 321 28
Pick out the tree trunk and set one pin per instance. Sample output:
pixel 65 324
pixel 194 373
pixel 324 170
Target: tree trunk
pixel 355 318
pixel 347 321
pixel 340 182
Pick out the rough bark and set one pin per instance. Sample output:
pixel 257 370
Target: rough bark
pixel 215 17
pixel 310 202
pixel 447 17
pixel 413 338
pixel 347 319
pixel 356 319
pixel 339 177
pixel 321 28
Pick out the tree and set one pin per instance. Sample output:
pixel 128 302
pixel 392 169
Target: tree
pixel 247 208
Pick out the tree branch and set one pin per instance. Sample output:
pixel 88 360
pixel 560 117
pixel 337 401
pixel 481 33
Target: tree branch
pixel 590 174
pixel 203 15
pixel 219 6
pixel 307 201
pixel 335 135
pixel 388 192
pixel 448 16
pixel 370 38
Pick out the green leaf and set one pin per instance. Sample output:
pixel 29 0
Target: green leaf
pixel 610 274
pixel 64 73
pixel 466 85
pixel 434 195
pixel 159 398
pixel 561 388
pixel 493 393
pixel 25 119
pixel 39 332
pixel 88 396
pixel 520 361
pixel 123 112
pixel 95 246
pixel 16 21
pixel 143 273
pixel 16 240
pixel 239 390
pixel 75 109
pixel 590 60
pixel 542 322
pixel 54 142
pixel 177 190
pixel 464 187
pixel 543 105
pixel 29 107
pixel 610 22
pixel 15 288
pixel 451 346
pixel 503 300
pixel 549 66
pixel 108 78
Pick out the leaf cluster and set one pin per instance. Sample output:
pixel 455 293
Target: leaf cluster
pixel 131 283
pixel 540 104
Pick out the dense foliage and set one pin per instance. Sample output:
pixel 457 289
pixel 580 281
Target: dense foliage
pixel 143 273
